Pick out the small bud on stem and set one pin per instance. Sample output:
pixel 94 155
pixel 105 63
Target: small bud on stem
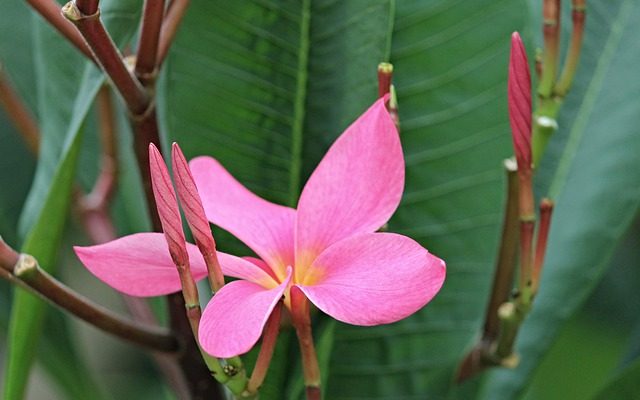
pixel 196 218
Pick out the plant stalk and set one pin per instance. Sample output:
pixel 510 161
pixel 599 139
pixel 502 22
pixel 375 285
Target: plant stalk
pixel 152 15
pixel 18 113
pixel 27 273
pixel 50 11
pixel 480 358
pixel 172 20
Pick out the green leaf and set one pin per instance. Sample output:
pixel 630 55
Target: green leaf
pixel 268 88
pixel 450 62
pixel 626 385
pixel 17 163
pixel 64 101
pixel 595 183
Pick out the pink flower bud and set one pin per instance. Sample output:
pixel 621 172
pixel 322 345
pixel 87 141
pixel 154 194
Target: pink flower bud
pixel 167 206
pixel 195 215
pixel 190 200
pixel 519 89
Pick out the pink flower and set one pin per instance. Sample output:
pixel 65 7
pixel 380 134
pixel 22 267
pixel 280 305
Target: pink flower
pixel 328 247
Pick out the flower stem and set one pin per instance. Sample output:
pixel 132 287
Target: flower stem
pixel 50 11
pixel 385 74
pixel 300 314
pixel 172 20
pixel 152 15
pixel 479 358
pixel 546 209
pixel 550 93
pixel 551 33
pixel 573 55
pixel 18 113
pixel 269 339
pixel 26 272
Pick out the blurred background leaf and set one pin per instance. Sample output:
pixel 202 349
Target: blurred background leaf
pixel 65 95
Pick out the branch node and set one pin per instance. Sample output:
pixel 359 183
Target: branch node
pixel 74 14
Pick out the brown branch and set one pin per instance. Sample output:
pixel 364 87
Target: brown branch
pixel 88 7
pixel 26 272
pixel 108 56
pixel 50 11
pixel 172 20
pixel 18 113
pixel 149 37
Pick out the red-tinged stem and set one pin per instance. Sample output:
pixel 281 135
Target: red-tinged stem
pixel 507 255
pixel 172 20
pixel 94 207
pixel 578 14
pixel 8 256
pixel 385 74
pixel 480 357
pixel 551 33
pixel 152 16
pixel 26 272
pixel 18 113
pixel 108 56
pixel 87 7
pixel 50 11
pixel 546 209
pixel 269 339
pixel 300 314
pixel 146 131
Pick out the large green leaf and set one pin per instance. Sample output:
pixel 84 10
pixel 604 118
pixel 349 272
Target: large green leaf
pixel 625 386
pixel 16 163
pixel 451 61
pixel 595 182
pixel 266 88
pixel 65 96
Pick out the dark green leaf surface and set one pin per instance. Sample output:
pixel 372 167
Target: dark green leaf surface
pixel 595 183
pixel 450 60
pixel 625 385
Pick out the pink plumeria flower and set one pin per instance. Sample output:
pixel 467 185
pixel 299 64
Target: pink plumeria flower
pixel 328 248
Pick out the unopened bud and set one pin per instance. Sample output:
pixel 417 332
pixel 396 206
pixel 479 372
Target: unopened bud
pixel 167 206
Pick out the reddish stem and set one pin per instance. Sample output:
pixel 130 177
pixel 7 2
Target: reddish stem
pixel 578 14
pixel 18 113
pixel 108 56
pixel 300 314
pixel 172 20
pixel 50 11
pixel 546 209
pixel 385 74
pixel 87 7
pixel 149 37
pixel 269 339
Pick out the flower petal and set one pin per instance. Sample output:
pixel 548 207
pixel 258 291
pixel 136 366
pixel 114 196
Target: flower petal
pixel 237 267
pixel 139 264
pixel 373 278
pixel 356 187
pixel 265 227
pixel 234 319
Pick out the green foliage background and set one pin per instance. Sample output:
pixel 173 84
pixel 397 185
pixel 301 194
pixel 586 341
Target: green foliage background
pixel 265 87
